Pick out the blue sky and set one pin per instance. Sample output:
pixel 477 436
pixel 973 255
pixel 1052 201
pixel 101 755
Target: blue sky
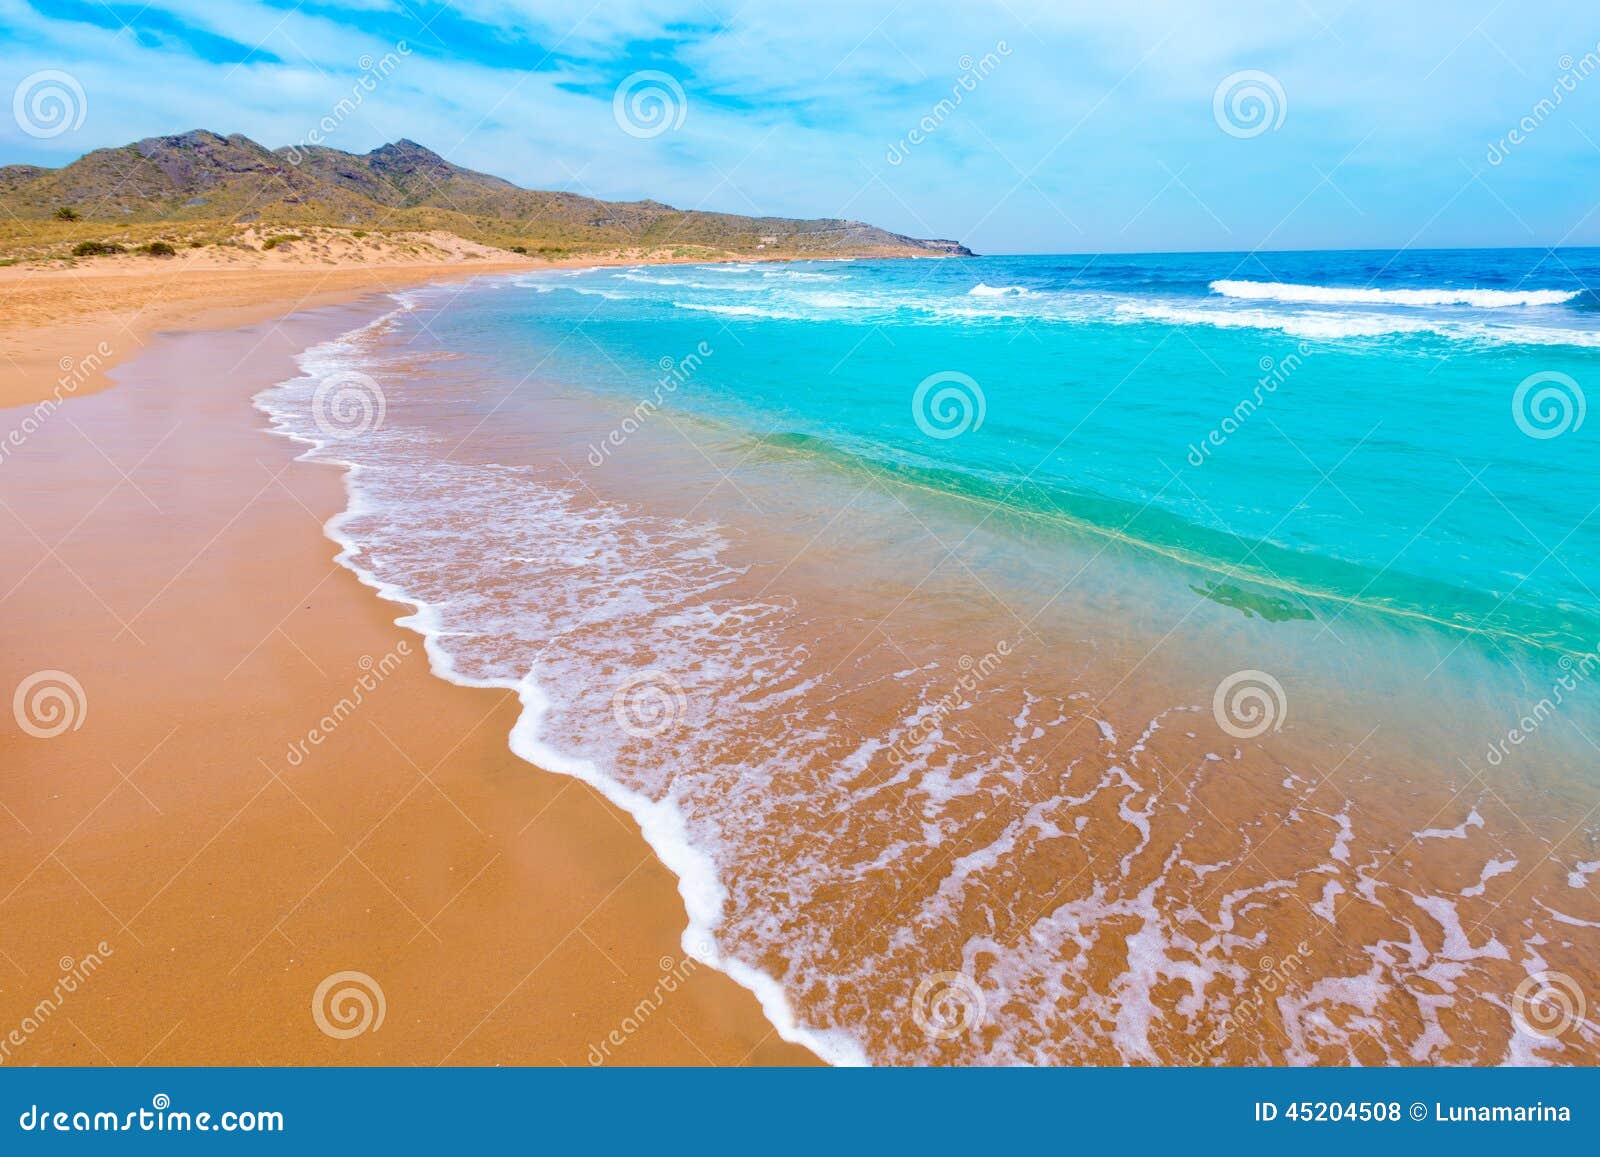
pixel 1080 127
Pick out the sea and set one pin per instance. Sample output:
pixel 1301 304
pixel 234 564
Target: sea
pixel 1123 659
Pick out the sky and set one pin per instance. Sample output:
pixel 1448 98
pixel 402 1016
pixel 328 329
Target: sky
pixel 1010 126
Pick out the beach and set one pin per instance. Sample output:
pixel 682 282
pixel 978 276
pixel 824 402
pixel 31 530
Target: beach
pixel 965 726
pixel 529 668
pixel 263 832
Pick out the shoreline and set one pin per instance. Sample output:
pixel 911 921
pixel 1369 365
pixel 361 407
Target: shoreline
pixel 659 824
pixel 527 948
pixel 881 823
pixel 50 336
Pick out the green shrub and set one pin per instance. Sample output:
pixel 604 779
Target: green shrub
pixel 280 239
pixel 66 213
pixel 159 249
pixel 523 249
pixel 96 249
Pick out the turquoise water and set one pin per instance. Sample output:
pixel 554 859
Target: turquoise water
pixel 1318 429
pixel 868 589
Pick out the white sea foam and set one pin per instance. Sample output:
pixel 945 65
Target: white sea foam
pixel 1310 324
pixel 741 310
pixel 521 584
pixel 590 552
pixel 1334 326
pixel 1359 295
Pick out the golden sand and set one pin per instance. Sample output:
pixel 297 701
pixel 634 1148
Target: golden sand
pixel 213 837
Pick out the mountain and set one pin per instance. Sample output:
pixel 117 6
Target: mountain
pixel 200 179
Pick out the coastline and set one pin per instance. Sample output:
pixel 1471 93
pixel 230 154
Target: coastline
pixel 64 328
pixel 1130 835
pixel 659 822
pixel 210 635
pixel 181 414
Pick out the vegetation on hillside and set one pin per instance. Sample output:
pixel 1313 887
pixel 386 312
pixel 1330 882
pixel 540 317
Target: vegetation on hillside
pixel 203 187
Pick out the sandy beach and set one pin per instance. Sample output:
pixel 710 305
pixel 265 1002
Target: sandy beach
pixel 251 783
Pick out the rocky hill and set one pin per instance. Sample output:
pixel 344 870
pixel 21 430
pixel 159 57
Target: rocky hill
pixel 200 180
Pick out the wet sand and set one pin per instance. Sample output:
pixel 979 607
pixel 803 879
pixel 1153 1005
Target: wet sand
pixel 212 836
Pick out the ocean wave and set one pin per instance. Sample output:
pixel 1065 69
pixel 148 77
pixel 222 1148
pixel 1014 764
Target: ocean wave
pixel 801 275
pixel 1335 326
pixel 1309 324
pixel 777 801
pixel 1357 295
pixel 982 290
pixel 740 310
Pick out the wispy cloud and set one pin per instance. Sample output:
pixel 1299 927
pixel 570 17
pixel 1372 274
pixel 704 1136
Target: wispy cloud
pixel 1072 143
